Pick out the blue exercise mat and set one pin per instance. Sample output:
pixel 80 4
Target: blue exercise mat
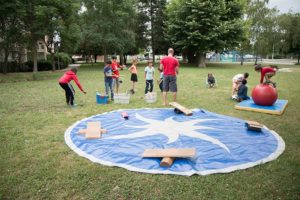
pixel 223 144
pixel 277 108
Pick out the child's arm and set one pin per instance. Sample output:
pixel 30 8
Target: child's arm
pixel 78 83
pixel 130 68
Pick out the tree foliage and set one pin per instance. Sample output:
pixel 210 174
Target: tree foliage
pixel 11 28
pixel 197 26
pixel 151 15
pixel 264 31
pixel 290 28
pixel 107 27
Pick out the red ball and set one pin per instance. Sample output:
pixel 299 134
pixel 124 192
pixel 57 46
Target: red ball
pixel 264 95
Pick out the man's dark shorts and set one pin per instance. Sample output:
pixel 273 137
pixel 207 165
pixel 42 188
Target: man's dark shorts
pixel 170 84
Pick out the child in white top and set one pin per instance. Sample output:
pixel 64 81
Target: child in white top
pixel 149 75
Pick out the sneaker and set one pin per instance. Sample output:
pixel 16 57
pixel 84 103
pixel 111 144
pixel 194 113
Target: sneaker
pixel 73 106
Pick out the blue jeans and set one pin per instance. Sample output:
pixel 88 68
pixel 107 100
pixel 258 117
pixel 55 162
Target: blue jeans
pixel 109 86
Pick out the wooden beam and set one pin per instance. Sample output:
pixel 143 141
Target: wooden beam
pixel 93 130
pixel 172 153
pixel 181 108
pixel 255 126
pixel 167 162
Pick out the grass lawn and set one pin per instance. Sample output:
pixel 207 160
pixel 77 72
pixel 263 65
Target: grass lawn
pixel 35 162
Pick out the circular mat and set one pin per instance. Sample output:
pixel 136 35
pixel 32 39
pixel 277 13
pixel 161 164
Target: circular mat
pixel 223 144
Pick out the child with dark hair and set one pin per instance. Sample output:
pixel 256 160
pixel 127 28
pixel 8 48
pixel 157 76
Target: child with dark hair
pixel 108 79
pixel 211 80
pixel 116 74
pixel 266 73
pixel 236 81
pixel 149 75
pixel 64 82
pixel 161 78
pixel 242 91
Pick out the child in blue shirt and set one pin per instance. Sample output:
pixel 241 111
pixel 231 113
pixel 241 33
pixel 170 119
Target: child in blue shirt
pixel 108 79
pixel 242 91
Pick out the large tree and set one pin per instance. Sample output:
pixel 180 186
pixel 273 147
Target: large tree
pixel 11 29
pixel 263 29
pixel 198 26
pixel 152 12
pixel 60 26
pixel 108 26
pixel 290 28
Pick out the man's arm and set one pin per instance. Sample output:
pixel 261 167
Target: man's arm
pixel 161 67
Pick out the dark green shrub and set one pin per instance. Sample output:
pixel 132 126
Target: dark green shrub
pixel 43 65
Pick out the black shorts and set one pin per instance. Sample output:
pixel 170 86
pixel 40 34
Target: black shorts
pixel 134 78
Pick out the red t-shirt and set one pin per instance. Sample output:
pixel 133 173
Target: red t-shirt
pixel 265 70
pixel 115 66
pixel 170 64
pixel 68 76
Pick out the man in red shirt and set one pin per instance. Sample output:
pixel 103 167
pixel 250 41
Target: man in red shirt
pixel 170 67
pixel 266 73
pixel 116 74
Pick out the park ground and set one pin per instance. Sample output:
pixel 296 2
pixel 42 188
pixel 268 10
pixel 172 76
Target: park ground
pixel 35 162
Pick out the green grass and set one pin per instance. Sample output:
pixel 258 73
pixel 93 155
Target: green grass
pixel 35 162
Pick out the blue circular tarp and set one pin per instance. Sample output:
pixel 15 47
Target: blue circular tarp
pixel 223 144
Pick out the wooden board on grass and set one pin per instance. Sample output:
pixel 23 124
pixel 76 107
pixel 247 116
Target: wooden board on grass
pixel 183 109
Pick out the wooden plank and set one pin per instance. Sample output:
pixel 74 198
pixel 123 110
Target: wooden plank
pixel 181 108
pixel 172 152
pixel 253 123
pixel 83 131
pixel 272 112
pixel 167 162
pixel 103 131
pixel 255 126
pixel 93 130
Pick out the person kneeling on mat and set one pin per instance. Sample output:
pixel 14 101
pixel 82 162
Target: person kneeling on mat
pixel 242 91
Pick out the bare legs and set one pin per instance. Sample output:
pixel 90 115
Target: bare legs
pixel 165 101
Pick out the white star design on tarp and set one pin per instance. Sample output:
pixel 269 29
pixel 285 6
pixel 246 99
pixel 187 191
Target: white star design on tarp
pixel 171 129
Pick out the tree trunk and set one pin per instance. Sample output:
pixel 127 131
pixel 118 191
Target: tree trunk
pixel 184 57
pixel 6 54
pixel 105 56
pixel 242 58
pixel 152 38
pixel 95 55
pixel 255 60
pixel 200 57
pixel 191 58
pixel 52 61
pixel 298 58
pixel 34 57
pixel 125 59
pixel 121 59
